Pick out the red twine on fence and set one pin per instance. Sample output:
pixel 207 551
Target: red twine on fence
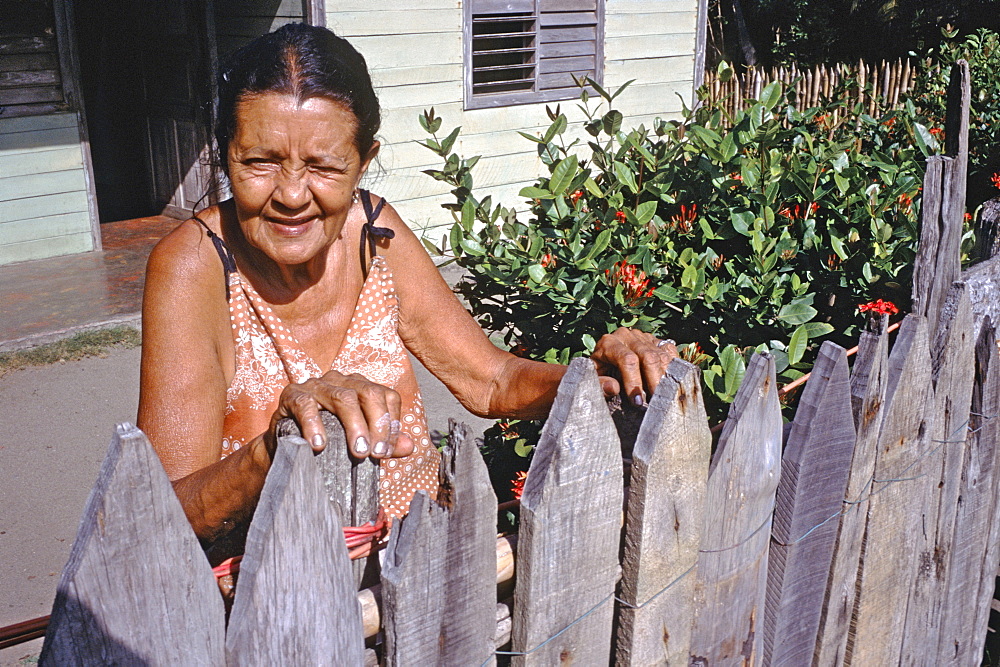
pixel 354 536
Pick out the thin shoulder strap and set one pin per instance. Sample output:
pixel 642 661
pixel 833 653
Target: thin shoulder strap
pixel 225 254
pixel 369 232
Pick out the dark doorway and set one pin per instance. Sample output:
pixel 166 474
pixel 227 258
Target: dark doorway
pixel 145 71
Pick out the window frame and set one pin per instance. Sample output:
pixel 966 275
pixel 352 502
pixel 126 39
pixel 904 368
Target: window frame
pixel 535 96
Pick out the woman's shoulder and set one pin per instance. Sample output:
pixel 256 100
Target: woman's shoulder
pixel 187 255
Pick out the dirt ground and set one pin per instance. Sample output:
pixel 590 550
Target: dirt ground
pixel 56 422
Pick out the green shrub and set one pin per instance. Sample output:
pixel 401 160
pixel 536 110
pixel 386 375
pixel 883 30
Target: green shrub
pixel 982 51
pixel 763 231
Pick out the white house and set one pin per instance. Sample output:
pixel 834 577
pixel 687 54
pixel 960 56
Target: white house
pixel 103 105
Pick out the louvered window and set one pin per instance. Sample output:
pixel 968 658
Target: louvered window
pixel 523 51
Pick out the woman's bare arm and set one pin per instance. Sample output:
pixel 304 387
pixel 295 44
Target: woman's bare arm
pixel 183 384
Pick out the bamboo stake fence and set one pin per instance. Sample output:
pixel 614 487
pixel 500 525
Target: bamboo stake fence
pixel 867 533
pixel 876 85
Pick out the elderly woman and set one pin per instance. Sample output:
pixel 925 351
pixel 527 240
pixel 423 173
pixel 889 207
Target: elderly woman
pixel 304 293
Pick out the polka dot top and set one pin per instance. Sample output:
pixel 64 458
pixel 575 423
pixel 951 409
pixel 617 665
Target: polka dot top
pixel 268 358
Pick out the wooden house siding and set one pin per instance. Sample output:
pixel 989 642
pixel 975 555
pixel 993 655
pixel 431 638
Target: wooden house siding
pixel 44 207
pixel 415 53
pixel 240 21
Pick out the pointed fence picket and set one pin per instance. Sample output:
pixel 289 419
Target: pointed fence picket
pixel 871 537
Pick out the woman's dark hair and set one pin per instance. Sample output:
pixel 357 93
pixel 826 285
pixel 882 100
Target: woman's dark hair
pixel 304 61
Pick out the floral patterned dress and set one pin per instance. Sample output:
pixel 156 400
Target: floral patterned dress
pixel 268 358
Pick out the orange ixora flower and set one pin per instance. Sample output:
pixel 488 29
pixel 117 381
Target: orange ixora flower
pixel 575 197
pixel 936 131
pixel 635 284
pixel 799 211
pixel 906 201
pixel 517 484
pixel 995 180
pixel 879 306
pixel 684 220
pixel 620 216
pixel 548 260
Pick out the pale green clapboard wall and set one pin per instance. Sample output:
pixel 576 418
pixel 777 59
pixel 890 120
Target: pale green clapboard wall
pixel 43 190
pixel 415 53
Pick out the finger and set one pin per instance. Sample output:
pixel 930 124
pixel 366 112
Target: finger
pixel 381 409
pixel 609 386
pixel 404 446
pixel 629 367
pixel 343 402
pixel 297 403
pixel 654 364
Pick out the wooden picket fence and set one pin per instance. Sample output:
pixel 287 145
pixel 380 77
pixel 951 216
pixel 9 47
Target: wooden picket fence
pixel 876 85
pixel 866 532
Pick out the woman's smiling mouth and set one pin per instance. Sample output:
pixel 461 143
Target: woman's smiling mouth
pixel 291 226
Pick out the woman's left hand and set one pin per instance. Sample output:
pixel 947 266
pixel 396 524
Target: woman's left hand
pixel 632 362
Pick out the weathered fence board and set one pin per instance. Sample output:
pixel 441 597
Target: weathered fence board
pixel 570 524
pixel 663 523
pixel 946 415
pixel 296 601
pixel 137 588
pixel 810 497
pixel 868 384
pixel 893 507
pixel 938 262
pixel 351 484
pixel 732 563
pixel 439 571
pixel 974 555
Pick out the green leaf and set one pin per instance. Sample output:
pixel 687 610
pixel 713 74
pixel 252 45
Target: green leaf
pixel 626 176
pixel 838 247
pixel 558 127
pixel 531 192
pixel 645 212
pixel 603 239
pixel 468 215
pixel 537 272
pixel 796 313
pixel 588 342
pixel 689 277
pixel 612 122
pixel 449 141
pixel 563 175
pixel 455 239
pixel 841 163
pixel 797 345
pixel 770 95
pixel 741 221
pixel 592 187
pixel 817 329
pixel 472 247
pixel 531 137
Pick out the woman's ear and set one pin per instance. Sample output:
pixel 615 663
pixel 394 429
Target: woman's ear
pixel 372 153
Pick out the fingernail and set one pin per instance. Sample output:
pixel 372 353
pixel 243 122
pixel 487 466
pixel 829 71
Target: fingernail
pixel 361 445
pixel 381 448
pixel 638 400
pixel 318 441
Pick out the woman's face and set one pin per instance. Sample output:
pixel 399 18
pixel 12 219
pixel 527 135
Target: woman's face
pixel 294 167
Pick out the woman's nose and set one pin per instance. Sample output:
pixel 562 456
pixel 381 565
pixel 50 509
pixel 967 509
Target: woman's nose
pixel 292 189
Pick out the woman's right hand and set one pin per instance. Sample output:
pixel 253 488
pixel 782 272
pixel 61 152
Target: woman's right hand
pixel 369 412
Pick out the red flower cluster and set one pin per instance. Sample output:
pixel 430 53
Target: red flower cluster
pixel 879 306
pixel 548 260
pixel 684 221
pixel 635 284
pixel 799 211
pixel 517 484
pixel 936 131
pixel 575 197
pixel 620 216
pixel 906 201
pixel 995 180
